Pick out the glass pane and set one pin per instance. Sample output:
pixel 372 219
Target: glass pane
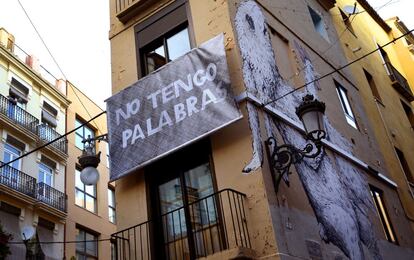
pixel 89 132
pixel 79 198
pixel 170 196
pixel 170 199
pixel 90 203
pixel 178 44
pixel 111 214
pixel 155 59
pixel 80 236
pixel 80 257
pixel 90 189
pixel 78 183
pixel 78 141
pixel 111 200
pixel 91 246
pixel 199 185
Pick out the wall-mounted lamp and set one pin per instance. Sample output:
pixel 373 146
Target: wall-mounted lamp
pixel 310 112
pixel 89 160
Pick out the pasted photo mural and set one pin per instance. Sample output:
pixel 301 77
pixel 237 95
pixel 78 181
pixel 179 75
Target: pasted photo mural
pixel 337 191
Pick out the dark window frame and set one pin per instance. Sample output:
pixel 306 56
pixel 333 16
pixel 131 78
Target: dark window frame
pixel 163 22
pixel 95 235
pixel 349 115
pixel 372 85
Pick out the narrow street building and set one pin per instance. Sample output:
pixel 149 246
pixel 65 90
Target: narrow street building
pixel 32 190
pixel 222 194
pixel 91 208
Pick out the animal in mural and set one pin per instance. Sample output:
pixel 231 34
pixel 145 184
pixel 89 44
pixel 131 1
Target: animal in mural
pixel 338 194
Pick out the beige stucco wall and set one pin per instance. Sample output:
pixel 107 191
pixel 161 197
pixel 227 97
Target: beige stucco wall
pixel 387 117
pixel 77 216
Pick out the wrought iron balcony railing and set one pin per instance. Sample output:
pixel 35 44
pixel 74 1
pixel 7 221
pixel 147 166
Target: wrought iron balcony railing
pixel 18 180
pixel 18 114
pixel 206 226
pixel 47 134
pixel 399 82
pixel 51 196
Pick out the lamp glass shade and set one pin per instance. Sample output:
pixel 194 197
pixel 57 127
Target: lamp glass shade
pixel 312 120
pixel 89 175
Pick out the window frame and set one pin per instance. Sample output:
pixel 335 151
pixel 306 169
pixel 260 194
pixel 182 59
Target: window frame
pixel 319 25
pixel 5 148
pixel 383 215
pixel 342 93
pixel 85 253
pixel 159 24
pixel 85 193
pixel 46 173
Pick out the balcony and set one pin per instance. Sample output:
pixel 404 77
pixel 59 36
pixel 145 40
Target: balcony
pixel 213 224
pixel 399 82
pixel 18 115
pixel 47 134
pixel 126 9
pixel 51 196
pixel 17 180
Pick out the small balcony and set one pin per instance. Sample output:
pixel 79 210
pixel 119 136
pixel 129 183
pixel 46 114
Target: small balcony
pixel 47 134
pixel 18 115
pixel 210 225
pixel 126 9
pixel 51 196
pixel 399 82
pixel 18 180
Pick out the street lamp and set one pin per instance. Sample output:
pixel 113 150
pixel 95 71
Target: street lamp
pixel 310 112
pixel 89 160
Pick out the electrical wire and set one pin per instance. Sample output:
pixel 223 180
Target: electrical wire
pixel 338 69
pixel 55 61
pixel 52 141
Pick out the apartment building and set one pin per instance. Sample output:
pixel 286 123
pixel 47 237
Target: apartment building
pixel 91 209
pixel 32 112
pixel 386 86
pixel 221 197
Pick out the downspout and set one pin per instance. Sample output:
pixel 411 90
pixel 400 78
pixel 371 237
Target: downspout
pixel 66 168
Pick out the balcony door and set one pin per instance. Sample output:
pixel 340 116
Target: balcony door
pixel 184 207
pixel 9 173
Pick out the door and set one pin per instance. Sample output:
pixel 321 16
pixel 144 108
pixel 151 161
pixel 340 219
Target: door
pixel 184 206
pixel 46 177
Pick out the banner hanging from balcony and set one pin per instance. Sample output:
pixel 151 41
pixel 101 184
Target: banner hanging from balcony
pixel 183 101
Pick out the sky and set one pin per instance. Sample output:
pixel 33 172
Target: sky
pixel 76 32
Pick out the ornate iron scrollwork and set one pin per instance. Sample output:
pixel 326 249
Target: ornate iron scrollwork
pixel 282 157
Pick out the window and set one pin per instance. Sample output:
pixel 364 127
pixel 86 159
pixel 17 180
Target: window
pixel 82 133
pixel 372 85
pixel 318 23
pixel 165 49
pixel 347 22
pixel 113 250
pixel 111 205
pixel 162 38
pixel 343 98
pixel 86 250
pixel 45 174
pixel 405 166
pixel 8 174
pixel 378 198
pixel 18 92
pixel 49 115
pixel 85 195
pixel 409 112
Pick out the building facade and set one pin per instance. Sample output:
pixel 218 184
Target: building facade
pixel 91 209
pixel 351 201
pixel 32 113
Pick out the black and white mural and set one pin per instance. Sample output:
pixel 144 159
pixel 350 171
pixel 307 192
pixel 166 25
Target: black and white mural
pixel 336 189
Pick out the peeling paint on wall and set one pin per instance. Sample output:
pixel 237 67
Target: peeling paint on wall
pixel 337 191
